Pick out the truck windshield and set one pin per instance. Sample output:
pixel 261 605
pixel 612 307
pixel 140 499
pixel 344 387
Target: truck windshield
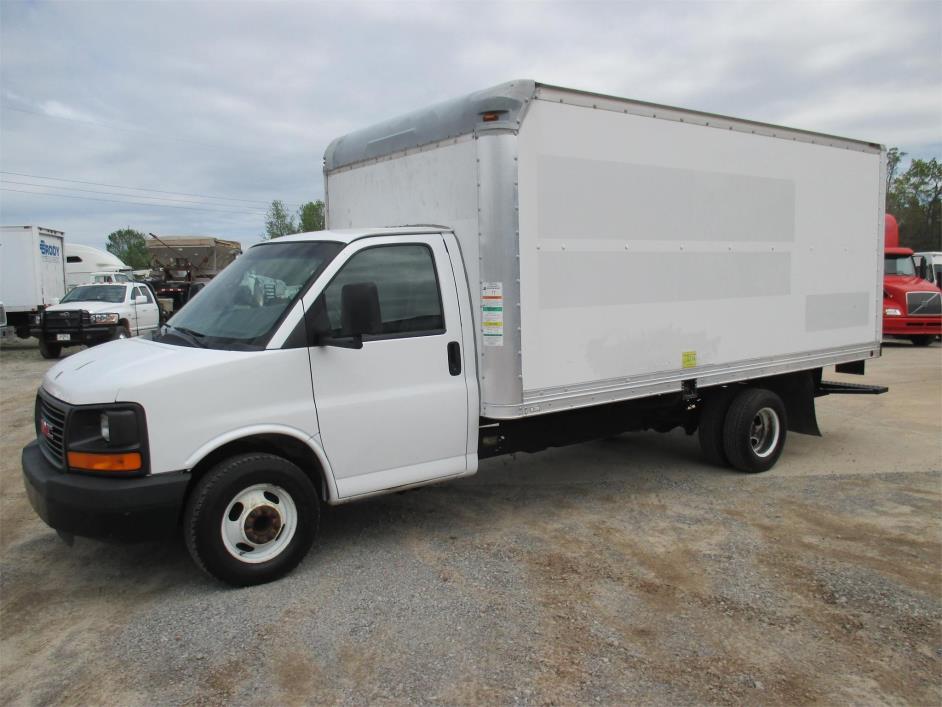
pixel 899 265
pixel 96 293
pixel 243 305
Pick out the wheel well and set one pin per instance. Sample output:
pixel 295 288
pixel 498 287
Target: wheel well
pixel 294 450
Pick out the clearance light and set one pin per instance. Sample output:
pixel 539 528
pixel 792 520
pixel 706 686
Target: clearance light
pixel 87 461
pixel 490 116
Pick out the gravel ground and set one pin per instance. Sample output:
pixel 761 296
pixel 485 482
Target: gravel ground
pixel 618 571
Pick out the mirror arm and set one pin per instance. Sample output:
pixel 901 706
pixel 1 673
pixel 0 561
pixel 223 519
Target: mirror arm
pixel 343 342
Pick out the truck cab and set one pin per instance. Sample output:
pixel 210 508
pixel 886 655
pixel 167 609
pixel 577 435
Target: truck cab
pixel 108 277
pixel 912 306
pixel 95 313
pixel 376 326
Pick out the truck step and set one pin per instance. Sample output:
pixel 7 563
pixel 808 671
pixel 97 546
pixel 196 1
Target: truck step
pixel 835 388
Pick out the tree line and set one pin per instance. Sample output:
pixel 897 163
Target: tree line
pixel 914 197
pixel 281 222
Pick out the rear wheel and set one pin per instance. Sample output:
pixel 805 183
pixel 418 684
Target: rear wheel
pixel 754 430
pixel 921 340
pixel 710 429
pixel 48 349
pixel 251 519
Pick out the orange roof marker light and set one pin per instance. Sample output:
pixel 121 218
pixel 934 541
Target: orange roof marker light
pixel 121 461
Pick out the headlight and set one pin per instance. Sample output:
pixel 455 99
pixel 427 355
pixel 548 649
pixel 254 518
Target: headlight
pixel 892 312
pixel 105 318
pixel 109 440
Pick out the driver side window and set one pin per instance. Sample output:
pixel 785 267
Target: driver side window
pixel 407 287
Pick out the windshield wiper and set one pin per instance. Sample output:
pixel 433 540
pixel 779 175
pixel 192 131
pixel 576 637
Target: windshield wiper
pixel 189 335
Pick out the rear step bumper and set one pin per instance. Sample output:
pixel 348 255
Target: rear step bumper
pixel 835 388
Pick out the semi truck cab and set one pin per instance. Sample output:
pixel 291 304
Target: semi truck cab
pixel 912 306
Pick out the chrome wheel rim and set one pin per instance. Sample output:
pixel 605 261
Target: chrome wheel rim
pixel 259 523
pixel 764 432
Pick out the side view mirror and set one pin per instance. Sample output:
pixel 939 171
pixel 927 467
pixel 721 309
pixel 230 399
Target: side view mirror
pixel 140 299
pixel 359 315
pixel 922 269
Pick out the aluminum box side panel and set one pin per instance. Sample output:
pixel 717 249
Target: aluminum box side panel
pixel 432 186
pixel 642 240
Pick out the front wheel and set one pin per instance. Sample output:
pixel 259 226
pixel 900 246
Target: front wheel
pixel 251 519
pixel 48 349
pixel 921 340
pixel 120 332
pixel 754 430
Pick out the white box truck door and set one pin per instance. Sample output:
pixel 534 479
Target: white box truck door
pixel 395 412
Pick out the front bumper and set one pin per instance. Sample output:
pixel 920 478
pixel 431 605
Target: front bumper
pixel 85 335
pixel 135 509
pixel 912 326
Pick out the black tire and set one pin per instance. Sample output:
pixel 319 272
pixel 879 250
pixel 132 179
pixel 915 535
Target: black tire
pixel 48 349
pixel 120 332
pixel 921 340
pixel 214 493
pixel 710 428
pixel 747 449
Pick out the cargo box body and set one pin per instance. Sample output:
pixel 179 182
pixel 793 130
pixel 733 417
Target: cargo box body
pixel 621 248
pixel 32 268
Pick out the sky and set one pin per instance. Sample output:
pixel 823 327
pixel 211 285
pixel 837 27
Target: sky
pixel 189 118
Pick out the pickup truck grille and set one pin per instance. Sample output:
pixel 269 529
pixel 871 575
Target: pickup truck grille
pixel 66 321
pixel 924 304
pixel 50 430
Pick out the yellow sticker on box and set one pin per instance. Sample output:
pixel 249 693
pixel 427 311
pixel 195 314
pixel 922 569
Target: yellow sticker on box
pixel 688 359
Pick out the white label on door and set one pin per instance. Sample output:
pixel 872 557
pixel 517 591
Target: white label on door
pixel 492 313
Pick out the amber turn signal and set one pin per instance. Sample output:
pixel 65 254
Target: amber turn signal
pixel 124 461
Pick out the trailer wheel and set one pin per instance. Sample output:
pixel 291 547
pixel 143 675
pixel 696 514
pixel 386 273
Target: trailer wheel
pixel 755 429
pixel 921 340
pixel 251 519
pixel 710 428
pixel 49 350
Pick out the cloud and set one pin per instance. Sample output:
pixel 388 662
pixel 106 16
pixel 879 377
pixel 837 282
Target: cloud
pixel 240 99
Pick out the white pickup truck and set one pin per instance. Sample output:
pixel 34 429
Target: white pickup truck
pixel 95 313
pixel 604 265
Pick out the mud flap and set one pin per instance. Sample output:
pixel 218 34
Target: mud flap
pixel 797 391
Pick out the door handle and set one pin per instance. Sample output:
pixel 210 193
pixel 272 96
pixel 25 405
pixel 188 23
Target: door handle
pixel 454 358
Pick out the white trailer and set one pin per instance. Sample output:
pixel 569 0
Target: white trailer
pixel 83 262
pixel 600 265
pixel 32 272
pixel 631 247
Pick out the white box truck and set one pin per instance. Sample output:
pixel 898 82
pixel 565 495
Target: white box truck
pixel 599 265
pixel 32 272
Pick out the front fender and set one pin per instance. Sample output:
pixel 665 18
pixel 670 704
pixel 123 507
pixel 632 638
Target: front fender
pixel 313 443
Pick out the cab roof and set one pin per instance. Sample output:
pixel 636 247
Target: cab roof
pixel 348 235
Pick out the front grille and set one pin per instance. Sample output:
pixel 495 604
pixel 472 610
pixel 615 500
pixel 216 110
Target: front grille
pixel 924 304
pixel 51 435
pixel 66 321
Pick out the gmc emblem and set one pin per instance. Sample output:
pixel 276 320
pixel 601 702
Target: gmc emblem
pixel 45 429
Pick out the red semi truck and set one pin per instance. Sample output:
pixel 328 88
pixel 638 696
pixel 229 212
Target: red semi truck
pixel 912 306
